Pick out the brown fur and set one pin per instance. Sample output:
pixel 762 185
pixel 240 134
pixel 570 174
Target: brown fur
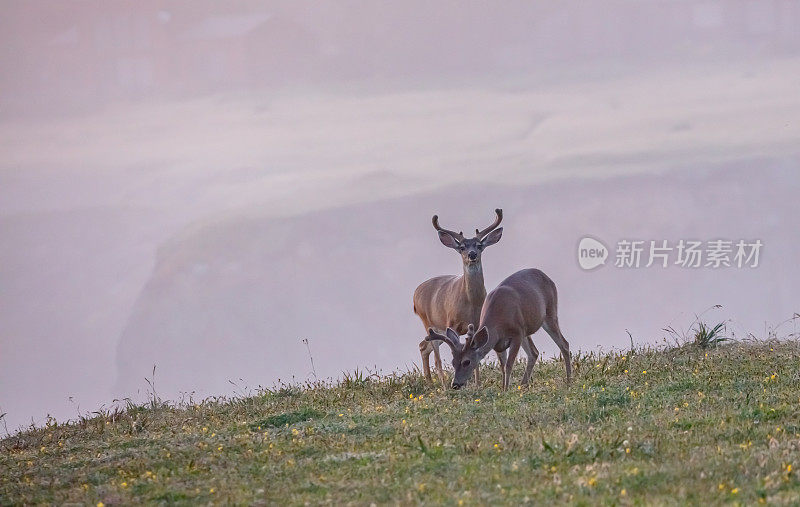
pixel 454 301
pixel 522 304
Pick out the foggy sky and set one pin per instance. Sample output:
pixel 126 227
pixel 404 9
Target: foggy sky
pixel 200 187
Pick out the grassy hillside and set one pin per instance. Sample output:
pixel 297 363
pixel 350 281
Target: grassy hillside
pixel 681 425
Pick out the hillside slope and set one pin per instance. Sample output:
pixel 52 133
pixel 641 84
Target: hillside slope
pixel 666 426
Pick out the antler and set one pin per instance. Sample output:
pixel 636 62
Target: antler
pixel 453 342
pixel 481 234
pixel 458 236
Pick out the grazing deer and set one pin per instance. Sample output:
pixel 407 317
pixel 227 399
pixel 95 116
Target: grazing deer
pixel 454 301
pixel 517 308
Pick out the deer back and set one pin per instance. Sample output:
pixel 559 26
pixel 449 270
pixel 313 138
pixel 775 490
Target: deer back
pixel 519 304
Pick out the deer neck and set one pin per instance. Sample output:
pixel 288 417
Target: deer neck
pixel 473 283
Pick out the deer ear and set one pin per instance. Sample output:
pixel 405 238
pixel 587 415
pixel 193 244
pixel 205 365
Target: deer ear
pixel 448 240
pixel 493 237
pixel 480 338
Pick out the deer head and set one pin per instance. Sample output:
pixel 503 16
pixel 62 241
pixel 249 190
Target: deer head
pixel 466 356
pixel 471 248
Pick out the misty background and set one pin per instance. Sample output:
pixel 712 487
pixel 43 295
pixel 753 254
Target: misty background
pixel 201 185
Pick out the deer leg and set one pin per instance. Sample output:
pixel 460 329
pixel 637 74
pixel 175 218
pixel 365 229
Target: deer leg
pixel 438 362
pixel 551 326
pixel 501 358
pixel 425 349
pixel 513 350
pixel 533 354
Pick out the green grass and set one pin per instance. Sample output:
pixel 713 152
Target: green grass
pixel 717 425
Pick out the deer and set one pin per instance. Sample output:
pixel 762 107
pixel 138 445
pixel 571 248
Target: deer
pixel 522 304
pixel 454 301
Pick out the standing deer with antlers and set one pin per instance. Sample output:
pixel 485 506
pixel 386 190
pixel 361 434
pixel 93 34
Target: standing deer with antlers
pixel 517 308
pixel 454 301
